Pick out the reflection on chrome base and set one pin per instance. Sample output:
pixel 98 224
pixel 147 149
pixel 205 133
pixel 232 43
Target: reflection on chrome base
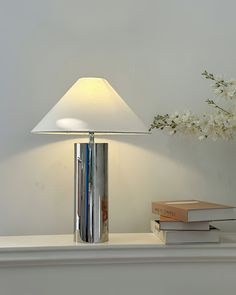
pixel 91 193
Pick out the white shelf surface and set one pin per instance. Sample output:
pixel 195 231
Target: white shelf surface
pixel 121 248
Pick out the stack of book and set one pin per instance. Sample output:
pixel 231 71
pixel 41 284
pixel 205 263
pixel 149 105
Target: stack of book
pixel 188 221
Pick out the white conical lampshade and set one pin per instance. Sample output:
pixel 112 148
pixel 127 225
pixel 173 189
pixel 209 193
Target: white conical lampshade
pixel 90 105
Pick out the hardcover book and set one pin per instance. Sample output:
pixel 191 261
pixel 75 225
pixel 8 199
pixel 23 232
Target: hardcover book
pixel 184 237
pixel 166 223
pixel 193 210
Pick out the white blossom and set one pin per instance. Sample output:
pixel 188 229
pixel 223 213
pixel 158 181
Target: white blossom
pixel 220 123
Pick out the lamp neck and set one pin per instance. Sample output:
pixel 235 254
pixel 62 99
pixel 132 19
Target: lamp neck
pixel 91 137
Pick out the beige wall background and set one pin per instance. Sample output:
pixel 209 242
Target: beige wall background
pixel 153 53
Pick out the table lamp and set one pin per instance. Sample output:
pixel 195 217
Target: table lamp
pixel 91 106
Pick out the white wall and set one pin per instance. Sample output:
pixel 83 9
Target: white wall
pixel 152 52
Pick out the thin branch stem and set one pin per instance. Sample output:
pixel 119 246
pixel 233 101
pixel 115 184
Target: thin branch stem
pixel 211 102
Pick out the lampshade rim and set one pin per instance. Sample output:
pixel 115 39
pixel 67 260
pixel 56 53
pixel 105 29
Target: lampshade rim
pixel 92 131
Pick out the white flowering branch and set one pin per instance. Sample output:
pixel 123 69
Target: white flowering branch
pixel 220 123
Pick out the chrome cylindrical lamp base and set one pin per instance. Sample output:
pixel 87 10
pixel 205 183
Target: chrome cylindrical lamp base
pixel 91 192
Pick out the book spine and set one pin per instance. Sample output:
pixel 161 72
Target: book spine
pixel 168 211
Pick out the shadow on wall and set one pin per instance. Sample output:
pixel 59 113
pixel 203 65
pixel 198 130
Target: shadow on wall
pixel 143 167
pixel 15 143
pixel 213 160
